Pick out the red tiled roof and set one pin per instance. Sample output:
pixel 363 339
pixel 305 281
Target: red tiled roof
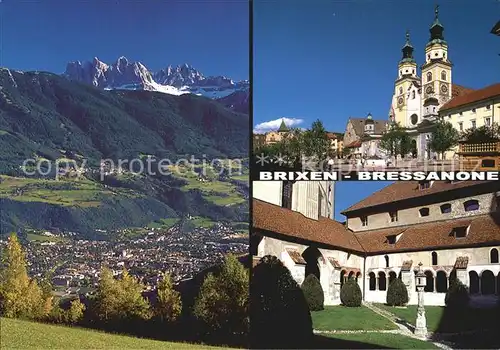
pixel 354 144
pixel 403 190
pixel 269 217
pixel 272 218
pixel 471 97
pixel 483 229
pixel 459 90
pixel 462 262
pixel 296 256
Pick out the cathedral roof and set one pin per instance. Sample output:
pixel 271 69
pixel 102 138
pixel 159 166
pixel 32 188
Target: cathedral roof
pixel 405 190
pixel 472 97
pixel 359 125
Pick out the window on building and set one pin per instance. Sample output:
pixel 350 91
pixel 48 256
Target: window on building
pixel 471 205
pixel 286 195
pixel 400 90
pixel 424 212
pixel 446 208
pixel 460 232
pixel 386 261
pixel 443 75
pixel 422 185
pixel 488 107
pixel 434 258
pixel 461 126
pixel 473 124
pixel 460 113
pixel 473 110
pixel 364 221
pixel 487 121
pixel 391 239
pixel 394 216
pixel 494 256
pixel 413 94
pixel 429 76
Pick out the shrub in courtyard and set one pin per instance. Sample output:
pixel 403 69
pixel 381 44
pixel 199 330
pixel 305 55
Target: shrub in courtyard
pixel 397 294
pixel 279 314
pixel 313 292
pixel 457 297
pixel 350 294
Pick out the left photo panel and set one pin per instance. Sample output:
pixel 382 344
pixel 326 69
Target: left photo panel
pixel 124 174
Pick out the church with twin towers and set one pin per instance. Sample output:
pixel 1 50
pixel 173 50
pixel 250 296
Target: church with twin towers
pixel 419 96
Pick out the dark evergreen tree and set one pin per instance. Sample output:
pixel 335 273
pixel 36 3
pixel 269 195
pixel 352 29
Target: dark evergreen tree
pixel 350 294
pixel 313 293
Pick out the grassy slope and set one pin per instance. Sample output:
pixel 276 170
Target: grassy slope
pixel 17 334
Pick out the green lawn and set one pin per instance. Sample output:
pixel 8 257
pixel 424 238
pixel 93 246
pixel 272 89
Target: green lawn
pixel 441 320
pixel 349 318
pixel 17 334
pixel 33 237
pixel 381 340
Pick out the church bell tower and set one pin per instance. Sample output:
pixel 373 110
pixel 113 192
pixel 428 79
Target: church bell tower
pixel 407 74
pixel 436 71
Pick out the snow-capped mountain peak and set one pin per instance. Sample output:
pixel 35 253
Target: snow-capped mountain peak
pixel 176 80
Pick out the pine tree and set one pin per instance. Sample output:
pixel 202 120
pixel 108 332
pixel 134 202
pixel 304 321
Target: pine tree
pixel 169 304
pixel 20 297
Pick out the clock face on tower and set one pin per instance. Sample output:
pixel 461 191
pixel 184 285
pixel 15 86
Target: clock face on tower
pixel 444 88
pixel 429 90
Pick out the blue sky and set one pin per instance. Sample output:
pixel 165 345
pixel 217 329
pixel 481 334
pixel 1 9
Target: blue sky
pixel 212 36
pixel 329 60
pixel 348 193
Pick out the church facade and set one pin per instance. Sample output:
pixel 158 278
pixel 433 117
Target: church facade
pixel 452 228
pixel 417 98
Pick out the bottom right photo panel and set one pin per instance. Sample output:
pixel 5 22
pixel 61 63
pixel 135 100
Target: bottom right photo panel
pixel 396 265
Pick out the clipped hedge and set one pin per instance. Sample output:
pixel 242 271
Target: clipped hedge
pixel 397 294
pixel 350 294
pixel 457 297
pixel 313 292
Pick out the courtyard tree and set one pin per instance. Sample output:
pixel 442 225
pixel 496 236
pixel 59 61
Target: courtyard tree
pixel 397 294
pixel 313 292
pixel 396 141
pixel 483 134
pixel 443 138
pixel 169 303
pixel 457 296
pixel 279 311
pixel 350 294
pixel 222 303
pixel 20 296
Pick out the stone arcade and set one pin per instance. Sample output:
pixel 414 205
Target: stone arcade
pixel 453 228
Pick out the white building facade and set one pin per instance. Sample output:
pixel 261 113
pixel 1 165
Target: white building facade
pixel 453 229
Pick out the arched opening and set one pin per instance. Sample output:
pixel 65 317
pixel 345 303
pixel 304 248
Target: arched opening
pixel 382 282
pixel 413 150
pixel 434 258
pixel 498 283
pixel 441 282
pixel 386 261
pixel 494 256
pixel 373 281
pixel 487 283
pixel 312 256
pixel 473 282
pixel 429 76
pixel 392 277
pixel 342 278
pixel 351 275
pixel 443 75
pixel 429 279
pixel 358 276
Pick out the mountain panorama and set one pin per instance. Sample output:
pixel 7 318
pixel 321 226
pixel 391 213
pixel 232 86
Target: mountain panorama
pixel 179 80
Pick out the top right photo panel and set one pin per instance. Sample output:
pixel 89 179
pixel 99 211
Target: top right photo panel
pixel 377 86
